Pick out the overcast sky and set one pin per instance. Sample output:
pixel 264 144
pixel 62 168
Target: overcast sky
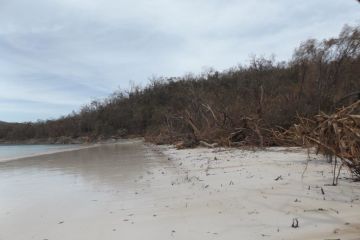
pixel 56 55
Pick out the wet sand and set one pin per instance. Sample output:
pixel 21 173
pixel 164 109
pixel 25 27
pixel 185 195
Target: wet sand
pixel 131 190
pixel 90 193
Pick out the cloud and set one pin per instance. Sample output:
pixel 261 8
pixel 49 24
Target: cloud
pixel 60 54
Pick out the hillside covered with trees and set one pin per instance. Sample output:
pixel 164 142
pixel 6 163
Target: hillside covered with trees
pixel 242 105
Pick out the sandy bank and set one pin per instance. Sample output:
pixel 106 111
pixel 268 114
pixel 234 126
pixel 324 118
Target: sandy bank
pixel 257 195
pixel 132 190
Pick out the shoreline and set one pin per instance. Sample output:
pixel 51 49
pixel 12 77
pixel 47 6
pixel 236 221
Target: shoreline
pixel 47 153
pixel 111 191
pixel 60 140
pixel 51 152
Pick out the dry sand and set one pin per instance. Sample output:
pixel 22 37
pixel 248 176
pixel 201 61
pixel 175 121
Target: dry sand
pixel 131 190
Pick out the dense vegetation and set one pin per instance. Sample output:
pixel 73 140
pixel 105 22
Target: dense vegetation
pixel 238 106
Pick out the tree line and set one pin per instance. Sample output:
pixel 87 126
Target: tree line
pixel 240 105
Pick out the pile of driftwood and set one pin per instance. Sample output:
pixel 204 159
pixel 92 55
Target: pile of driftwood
pixel 251 133
pixel 336 136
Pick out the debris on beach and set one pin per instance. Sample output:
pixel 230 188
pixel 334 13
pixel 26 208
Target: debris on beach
pixel 295 223
pixel 336 136
pixel 278 178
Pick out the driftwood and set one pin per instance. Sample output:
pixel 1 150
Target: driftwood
pixel 251 133
pixel 208 145
pixel 335 135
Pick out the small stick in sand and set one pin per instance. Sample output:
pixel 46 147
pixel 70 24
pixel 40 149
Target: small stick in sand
pixel 295 223
pixel 278 178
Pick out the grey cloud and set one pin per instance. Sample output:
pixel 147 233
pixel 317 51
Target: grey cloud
pixel 59 54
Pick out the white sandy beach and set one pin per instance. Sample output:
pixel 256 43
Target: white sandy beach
pixel 132 190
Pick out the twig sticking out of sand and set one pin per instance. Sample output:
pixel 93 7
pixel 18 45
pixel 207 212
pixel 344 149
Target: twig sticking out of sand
pixel 278 178
pixel 295 223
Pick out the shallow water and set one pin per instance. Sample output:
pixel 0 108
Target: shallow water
pixel 76 194
pixel 17 151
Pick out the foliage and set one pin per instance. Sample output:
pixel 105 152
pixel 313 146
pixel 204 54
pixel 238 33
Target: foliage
pixel 235 107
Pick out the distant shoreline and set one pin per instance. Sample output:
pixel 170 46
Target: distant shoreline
pixel 80 147
pixel 48 152
pixel 60 140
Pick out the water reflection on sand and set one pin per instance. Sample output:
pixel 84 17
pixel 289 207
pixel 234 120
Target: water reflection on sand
pixel 40 193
